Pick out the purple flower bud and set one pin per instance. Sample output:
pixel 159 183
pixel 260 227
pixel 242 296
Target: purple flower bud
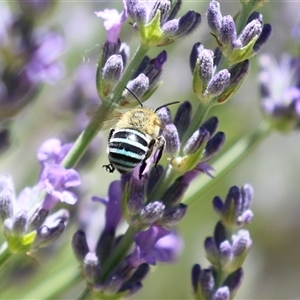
pixel 228 31
pixel 20 223
pixel 152 212
pixel 91 267
pixel 206 65
pixel 233 281
pixel 219 234
pixel 197 48
pixel 218 83
pixel 172 140
pixel 7 197
pixel 136 195
pixel 138 87
pixel 226 254
pixel 211 125
pixel 182 118
pixel 218 205
pixel 79 245
pixel 38 218
pixel 213 146
pixel 175 192
pixel 165 115
pixel 164 7
pixel 221 293
pixel 137 11
pixel 255 15
pixel 212 252
pixel 140 273
pixel 124 52
pixel 236 211
pixel 214 16
pixel 250 31
pixel 47 235
pixel 195 277
pixel 173 215
pixel 177 28
pixel 198 139
pixel 107 51
pixel 207 283
pixel 241 242
pixel 112 70
pixel 131 289
pixel 263 38
pixel 154 176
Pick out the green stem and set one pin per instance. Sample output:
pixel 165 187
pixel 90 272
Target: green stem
pixel 165 180
pixel 243 17
pixel 119 253
pixel 229 160
pixel 5 255
pixel 102 113
pixel 85 294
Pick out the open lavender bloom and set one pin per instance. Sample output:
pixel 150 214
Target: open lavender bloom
pixel 154 241
pixel 227 249
pixel 280 91
pixel 27 223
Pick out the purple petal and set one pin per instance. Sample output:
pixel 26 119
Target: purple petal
pixel 113 22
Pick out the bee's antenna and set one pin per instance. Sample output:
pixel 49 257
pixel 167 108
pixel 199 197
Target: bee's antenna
pixel 164 105
pixel 132 93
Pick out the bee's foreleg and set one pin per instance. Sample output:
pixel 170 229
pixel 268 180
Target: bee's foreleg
pixel 151 146
pixel 161 143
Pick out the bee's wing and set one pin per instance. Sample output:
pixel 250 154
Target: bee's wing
pixel 113 119
pixel 107 124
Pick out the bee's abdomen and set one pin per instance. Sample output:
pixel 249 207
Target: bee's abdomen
pixel 127 148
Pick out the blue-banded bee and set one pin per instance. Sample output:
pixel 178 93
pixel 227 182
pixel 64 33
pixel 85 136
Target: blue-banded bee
pixel 135 139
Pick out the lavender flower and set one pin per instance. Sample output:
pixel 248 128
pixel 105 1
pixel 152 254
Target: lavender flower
pixel 206 84
pixel 27 225
pixel 227 249
pixel 237 46
pixel 280 92
pixel 154 245
pixel 199 148
pixel 155 24
pixel 113 23
pixel 32 62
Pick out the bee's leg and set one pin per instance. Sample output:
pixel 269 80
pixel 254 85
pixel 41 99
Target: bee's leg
pixel 161 143
pixel 109 168
pixel 143 166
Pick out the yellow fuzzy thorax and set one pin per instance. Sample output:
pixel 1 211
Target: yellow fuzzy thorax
pixel 143 119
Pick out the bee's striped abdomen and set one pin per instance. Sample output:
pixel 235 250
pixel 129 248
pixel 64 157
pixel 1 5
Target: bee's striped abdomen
pixel 127 148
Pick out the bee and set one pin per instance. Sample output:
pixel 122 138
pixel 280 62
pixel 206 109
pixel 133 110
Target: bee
pixel 136 139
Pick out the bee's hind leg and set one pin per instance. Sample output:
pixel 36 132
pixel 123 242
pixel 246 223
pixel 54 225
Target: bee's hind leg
pixel 109 168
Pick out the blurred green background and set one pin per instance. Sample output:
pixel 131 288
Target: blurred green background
pixel 272 269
